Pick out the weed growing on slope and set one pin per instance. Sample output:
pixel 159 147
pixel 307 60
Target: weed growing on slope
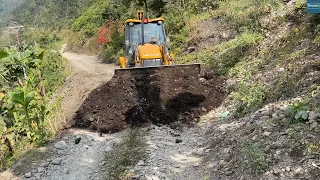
pixel 299 111
pixel 249 96
pixel 224 56
pixel 256 157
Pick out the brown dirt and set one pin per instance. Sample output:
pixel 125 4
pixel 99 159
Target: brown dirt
pixel 87 74
pixel 166 95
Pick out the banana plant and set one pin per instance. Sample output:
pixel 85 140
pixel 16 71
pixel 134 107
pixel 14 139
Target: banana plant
pixel 15 64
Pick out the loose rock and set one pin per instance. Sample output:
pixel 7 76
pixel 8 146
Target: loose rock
pixel 229 173
pixel 288 169
pixel 57 161
pixel 199 152
pixel 40 169
pixel 77 140
pixel 191 49
pixel 267 134
pixel 178 140
pixel 276 171
pixel 44 164
pixel 313 115
pixel 60 145
pixel 299 170
pixel 28 175
pixel 135 177
pixel 140 163
pixel 66 171
pixel 314 125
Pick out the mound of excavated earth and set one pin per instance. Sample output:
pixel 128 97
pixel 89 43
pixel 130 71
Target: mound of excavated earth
pixel 166 95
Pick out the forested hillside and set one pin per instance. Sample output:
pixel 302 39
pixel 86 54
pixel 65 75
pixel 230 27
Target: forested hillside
pixel 7 11
pixel 50 14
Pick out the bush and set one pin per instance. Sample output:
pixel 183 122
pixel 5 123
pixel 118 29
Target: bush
pixel 249 96
pixel 246 13
pixel 92 19
pixel 257 159
pixel 108 55
pixel 299 111
pixel 29 77
pixel 53 72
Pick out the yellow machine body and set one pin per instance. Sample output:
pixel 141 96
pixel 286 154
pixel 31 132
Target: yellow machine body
pixel 145 43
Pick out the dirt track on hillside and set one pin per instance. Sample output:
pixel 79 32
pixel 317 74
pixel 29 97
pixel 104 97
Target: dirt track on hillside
pixel 87 73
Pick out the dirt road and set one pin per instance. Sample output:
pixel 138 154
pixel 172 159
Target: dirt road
pixel 87 73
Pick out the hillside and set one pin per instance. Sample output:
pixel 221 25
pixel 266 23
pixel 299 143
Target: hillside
pixel 6 11
pixel 253 113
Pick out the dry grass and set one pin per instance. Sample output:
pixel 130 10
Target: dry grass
pixel 124 156
pixel 56 119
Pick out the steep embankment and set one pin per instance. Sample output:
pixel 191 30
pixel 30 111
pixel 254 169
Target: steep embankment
pixel 271 59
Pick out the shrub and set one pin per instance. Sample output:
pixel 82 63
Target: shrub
pixel 53 72
pixel 257 159
pixel 249 96
pixel 298 111
pixel 92 19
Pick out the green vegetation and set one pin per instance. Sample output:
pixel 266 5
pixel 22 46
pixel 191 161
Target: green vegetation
pixel 225 55
pixel 298 111
pixel 49 14
pixel 124 156
pixel 27 81
pixel 92 19
pixel 257 159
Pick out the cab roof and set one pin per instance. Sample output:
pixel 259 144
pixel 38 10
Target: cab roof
pixel 149 20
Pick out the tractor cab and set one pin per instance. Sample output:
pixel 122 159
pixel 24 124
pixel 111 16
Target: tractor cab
pixel 145 42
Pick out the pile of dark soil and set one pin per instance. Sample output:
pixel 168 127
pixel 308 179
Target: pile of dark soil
pixel 165 95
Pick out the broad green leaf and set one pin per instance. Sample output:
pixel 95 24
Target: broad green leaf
pixel 3 54
pixel 36 60
pixel 40 55
pixel 2 68
pixel 26 54
pixel 305 115
pixel 298 115
pixel 3 80
pixel 17 97
pixel 28 98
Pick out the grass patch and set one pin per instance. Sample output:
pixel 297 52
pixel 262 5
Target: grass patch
pixel 56 119
pixel 124 156
pixel 225 55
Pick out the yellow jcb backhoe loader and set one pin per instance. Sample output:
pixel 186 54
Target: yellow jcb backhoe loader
pixel 146 44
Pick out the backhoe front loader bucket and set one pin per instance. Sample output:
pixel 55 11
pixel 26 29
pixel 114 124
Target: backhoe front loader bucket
pixel 185 70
